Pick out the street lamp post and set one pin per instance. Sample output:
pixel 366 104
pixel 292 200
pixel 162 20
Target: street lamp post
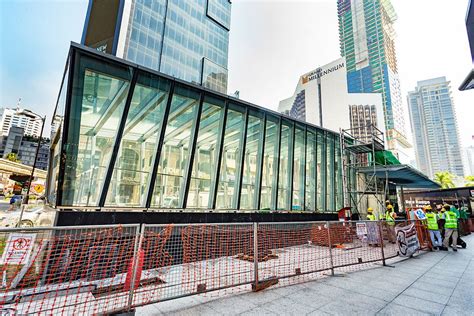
pixel 26 199
pixel 43 119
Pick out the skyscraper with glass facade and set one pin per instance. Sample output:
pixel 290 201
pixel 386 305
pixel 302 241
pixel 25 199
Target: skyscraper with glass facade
pixel 367 40
pixel 434 126
pixel 188 40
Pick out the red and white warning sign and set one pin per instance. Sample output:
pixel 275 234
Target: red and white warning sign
pixel 18 248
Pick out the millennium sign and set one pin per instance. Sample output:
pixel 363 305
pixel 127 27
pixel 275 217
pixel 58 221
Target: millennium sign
pixel 318 73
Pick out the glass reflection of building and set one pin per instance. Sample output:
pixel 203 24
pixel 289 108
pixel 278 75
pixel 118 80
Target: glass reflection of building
pixel 133 138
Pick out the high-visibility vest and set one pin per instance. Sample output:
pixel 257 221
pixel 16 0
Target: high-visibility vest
pixel 371 217
pixel 389 218
pixel 451 220
pixel 432 220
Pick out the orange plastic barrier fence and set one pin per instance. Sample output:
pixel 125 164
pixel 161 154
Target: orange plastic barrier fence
pixel 105 269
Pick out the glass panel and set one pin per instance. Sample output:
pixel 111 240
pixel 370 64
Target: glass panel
pixel 330 198
pixel 206 154
pixel 227 191
pixel 270 157
pixel 131 175
pixel 175 151
pixel 57 127
pixel 252 148
pixel 298 170
pixel 311 163
pixel 97 105
pixel 284 170
pixel 321 176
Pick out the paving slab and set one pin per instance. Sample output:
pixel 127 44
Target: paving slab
pixel 435 283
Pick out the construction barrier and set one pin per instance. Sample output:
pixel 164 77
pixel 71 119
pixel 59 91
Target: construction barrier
pixel 105 269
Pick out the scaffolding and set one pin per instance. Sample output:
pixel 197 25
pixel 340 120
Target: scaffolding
pixel 359 147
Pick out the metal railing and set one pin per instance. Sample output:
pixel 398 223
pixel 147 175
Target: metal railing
pixel 106 269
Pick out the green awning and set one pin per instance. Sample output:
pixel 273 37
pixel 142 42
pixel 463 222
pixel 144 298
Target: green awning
pixel 401 175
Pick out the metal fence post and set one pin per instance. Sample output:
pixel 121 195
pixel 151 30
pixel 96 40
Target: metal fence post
pixel 136 260
pixel 381 241
pixel 255 253
pixel 330 248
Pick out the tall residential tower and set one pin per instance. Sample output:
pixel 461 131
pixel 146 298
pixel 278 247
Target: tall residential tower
pixel 433 121
pixel 185 39
pixel 367 39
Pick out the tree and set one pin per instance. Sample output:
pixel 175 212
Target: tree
pixel 469 181
pixel 12 157
pixel 445 179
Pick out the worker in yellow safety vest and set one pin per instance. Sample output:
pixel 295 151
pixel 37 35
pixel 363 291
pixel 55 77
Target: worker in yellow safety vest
pixel 432 223
pixel 450 227
pixel 370 214
pixel 390 217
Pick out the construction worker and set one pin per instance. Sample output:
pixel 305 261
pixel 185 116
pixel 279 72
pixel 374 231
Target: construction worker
pixel 432 221
pixel 450 227
pixel 370 214
pixel 390 217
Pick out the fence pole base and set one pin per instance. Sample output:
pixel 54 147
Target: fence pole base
pixel 124 313
pixel 261 285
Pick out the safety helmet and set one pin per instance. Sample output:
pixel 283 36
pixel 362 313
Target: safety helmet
pixel 370 209
pixel 428 207
pixel 446 207
pixel 389 206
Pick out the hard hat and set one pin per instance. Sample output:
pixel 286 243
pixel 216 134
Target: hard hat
pixel 446 206
pixel 390 206
pixel 428 207
pixel 370 209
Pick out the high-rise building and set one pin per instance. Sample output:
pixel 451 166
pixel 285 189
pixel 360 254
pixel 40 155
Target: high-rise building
pixel 367 40
pixel 29 122
pixel 185 39
pixel 434 126
pixel 468 154
pixel 321 98
pixel 24 147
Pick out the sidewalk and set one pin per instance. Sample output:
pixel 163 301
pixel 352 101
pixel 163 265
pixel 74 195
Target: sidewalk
pixel 435 283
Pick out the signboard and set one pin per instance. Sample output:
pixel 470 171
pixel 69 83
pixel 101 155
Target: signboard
pixel 101 25
pixel 420 214
pixel 318 73
pixel 361 229
pixel 407 240
pixel 18 248
pixel 39 188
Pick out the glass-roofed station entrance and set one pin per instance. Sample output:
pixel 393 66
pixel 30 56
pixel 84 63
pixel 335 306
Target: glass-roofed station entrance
pixel 128 138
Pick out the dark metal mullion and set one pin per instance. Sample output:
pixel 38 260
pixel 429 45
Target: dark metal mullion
pixel 240 169
pixel 324 170
pixel 192 150
pixel 118 138
pixel 316 171
pixel 151 183
pixel 304 166
pixel 258 188
pixel 291 163
pixel 277 166
pixel 334 186
pixel 70 68
pixel 219 147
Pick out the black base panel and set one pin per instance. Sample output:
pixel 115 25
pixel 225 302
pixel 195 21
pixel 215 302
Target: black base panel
pixel 76 218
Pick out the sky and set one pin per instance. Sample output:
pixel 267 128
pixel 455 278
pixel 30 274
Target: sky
pixel 272 43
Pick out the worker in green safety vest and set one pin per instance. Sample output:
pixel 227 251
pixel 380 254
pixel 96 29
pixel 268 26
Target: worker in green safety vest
pixel 432 223
pixel 390 217
pixel 450 227
pixel 370 214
